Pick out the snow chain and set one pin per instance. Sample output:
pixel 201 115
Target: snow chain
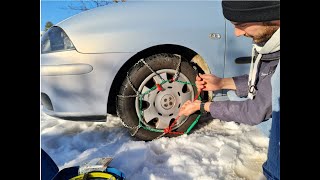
pixel 138 94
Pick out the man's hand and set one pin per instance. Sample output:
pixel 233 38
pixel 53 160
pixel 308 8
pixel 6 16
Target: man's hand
pixel 208 82
pixel 189 107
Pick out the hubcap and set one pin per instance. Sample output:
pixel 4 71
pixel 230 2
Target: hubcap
pixel 160 108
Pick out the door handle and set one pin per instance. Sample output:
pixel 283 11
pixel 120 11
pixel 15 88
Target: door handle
pixel 243 60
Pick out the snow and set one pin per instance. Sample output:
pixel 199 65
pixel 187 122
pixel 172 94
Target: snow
pixel 213 150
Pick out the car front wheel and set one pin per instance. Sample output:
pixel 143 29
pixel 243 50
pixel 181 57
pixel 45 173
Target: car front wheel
pixel 152 94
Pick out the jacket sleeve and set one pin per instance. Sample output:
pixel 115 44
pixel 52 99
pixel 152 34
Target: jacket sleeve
pixel 250 112
pixel 241 83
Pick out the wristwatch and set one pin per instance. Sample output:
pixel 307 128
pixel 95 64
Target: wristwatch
pixel 202 107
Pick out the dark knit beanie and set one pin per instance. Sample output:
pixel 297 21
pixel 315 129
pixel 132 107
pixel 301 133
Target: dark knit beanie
pixel 251 11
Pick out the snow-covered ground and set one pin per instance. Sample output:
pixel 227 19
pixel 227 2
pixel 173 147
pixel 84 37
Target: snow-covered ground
pixel 214 150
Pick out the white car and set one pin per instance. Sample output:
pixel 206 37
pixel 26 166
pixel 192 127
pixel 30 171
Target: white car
pixel 121 59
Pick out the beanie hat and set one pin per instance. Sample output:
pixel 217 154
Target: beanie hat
pixel 251 11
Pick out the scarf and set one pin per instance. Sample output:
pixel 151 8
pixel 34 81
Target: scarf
pixel 272 45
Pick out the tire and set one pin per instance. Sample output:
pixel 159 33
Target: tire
pixel 158 107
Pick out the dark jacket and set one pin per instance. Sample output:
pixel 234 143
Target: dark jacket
pixel 250 112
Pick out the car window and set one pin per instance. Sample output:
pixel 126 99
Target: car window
pixel 55 39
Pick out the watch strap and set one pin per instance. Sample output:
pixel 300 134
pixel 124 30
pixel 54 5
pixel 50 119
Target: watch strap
pixel 202 107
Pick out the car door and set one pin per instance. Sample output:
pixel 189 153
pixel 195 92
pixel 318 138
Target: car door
pixel 238 53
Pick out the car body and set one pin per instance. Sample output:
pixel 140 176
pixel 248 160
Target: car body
pixel 85 58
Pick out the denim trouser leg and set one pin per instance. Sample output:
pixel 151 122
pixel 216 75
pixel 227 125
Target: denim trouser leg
pixel 271 168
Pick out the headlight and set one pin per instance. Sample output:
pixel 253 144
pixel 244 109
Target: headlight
pixel 55 39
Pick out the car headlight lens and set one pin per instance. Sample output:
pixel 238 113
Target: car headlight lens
pixel 55 39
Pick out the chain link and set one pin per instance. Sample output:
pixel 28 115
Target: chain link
pixel 160 136
pixel 129 127
pixel 176 75
pixel 141 60
pixel 135 132
pixel 128 96
pixel 130 83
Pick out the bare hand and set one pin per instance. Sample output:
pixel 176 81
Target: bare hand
pixel 189 107
pixel 208 82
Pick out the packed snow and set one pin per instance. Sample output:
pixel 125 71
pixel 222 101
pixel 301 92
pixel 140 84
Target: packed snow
pixel 213 150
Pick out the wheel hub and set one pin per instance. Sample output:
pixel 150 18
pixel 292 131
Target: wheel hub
pixel 167 101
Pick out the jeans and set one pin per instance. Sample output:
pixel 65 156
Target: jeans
pixel 271 168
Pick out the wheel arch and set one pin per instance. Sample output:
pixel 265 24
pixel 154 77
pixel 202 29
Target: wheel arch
pixel 187 53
